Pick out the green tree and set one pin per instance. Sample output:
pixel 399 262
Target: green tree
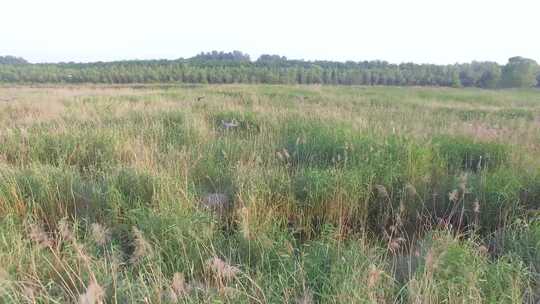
pixel 491 76
pixel 519 72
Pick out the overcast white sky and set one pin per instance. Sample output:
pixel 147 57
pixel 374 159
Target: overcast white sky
pixel 432 31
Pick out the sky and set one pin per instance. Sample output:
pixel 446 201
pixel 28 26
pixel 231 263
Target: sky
pixel 420 31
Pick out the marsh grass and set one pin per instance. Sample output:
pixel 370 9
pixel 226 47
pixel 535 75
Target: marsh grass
pixel 335 195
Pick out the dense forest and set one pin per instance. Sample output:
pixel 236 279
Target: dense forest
pixel 237 67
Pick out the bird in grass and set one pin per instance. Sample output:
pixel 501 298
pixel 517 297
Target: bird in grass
pixel 217 202
pixel 229 125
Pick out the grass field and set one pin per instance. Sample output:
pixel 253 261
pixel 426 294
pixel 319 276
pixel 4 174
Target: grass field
pixel 269 194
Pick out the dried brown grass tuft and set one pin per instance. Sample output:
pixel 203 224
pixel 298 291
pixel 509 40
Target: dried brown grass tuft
pixel 39 236
pixel 178 289
pixel 306 298
pixel 94 294
pixel 29 291
pixel 222 272
pixel 142 248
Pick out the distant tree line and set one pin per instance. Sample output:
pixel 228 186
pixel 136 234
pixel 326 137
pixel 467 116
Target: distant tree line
pixel 236 67
pixel 12 60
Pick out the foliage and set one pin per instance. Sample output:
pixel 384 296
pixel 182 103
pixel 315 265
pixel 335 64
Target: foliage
pixel 236 67
pixel 520 73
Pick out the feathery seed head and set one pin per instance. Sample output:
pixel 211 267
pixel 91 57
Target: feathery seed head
pixel 476 206
pixel 374 276
pixel 453 196
pixel 100 234
pixel 65 230
pixel 286 153
pixel 463 179
pixel 222 270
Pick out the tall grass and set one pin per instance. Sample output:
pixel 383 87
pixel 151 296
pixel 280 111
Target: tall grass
pixel 329 195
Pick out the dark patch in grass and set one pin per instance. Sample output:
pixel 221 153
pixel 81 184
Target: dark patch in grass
pixel 326 145
pixel 463 153
pixel 463 115
pixel 214 173
pixel 134 186
pixel 475 114
pixel 515 114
